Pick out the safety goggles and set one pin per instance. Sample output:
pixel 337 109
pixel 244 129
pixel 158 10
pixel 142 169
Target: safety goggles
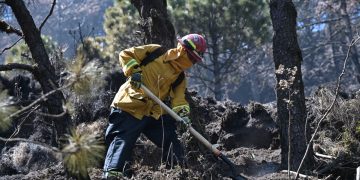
pixel 200 54
pixel 191 48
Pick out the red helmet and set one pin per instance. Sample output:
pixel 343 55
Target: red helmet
pixel 195 45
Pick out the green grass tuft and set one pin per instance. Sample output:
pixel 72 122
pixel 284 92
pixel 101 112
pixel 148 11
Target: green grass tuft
pixel 88 75
pixel 5 111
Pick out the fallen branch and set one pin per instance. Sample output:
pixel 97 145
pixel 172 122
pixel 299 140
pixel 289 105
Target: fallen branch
pixel 337 163
pixel 324 156
pixel 328 177
pixel 5 27
pixel 47 17
pixel 353 42
pixel 30 141
pixel 18 127
pixel 7 48
pixel 52 115
pixel 42 98
pixel 294 173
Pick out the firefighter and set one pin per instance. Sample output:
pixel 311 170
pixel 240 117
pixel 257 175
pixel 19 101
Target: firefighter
pixel 133 113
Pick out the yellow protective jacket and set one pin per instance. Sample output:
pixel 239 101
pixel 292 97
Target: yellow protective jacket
pixel 157 75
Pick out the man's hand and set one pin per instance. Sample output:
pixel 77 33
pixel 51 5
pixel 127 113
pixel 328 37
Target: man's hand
pixel 187 120
pixel 184 112
pixel 135 80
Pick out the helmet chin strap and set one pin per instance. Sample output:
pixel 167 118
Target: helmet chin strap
pixel 188 45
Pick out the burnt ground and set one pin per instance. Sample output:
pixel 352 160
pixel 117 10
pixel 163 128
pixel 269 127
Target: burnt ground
pixel 248 135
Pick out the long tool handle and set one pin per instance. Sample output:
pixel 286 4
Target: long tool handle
pixel 197 135
pixel 178 118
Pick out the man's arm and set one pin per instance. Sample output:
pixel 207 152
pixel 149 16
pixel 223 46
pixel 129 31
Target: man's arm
pixel 178 101
pixel 131 58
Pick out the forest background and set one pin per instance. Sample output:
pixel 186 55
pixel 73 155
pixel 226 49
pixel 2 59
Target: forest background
pixel 239 62
pixel 77 73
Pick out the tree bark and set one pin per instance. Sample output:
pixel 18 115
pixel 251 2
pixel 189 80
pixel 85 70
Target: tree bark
pixel 287 53
pixel 45 72
pixel 217 83
pixel 214 58
pixel 155 22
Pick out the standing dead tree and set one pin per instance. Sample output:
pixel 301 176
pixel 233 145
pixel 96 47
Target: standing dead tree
pixel 43 71
pixel 289 89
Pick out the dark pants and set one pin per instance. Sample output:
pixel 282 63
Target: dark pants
pixel 124 130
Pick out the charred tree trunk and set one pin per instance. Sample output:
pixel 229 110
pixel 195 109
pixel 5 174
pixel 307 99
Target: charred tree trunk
pixel 155 22
pixel 44 71
pixel 289 89
pixel 330 33
pixel 349 36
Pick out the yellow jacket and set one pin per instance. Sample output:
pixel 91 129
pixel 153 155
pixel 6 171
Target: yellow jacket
pixel 158 76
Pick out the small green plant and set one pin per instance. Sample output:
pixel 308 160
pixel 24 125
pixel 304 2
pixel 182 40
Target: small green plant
pixel 83 151
pixel 5 111
pixel 357 127
pixel 348 142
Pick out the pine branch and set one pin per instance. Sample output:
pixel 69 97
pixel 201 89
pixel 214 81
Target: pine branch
pixel 48 16
pixel 12 66
pixel 324 22
pixel 5 27
pixel 353 42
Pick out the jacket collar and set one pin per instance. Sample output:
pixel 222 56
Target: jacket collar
pixel 178 58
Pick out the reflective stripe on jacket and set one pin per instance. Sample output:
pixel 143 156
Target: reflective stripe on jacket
pixel 157 76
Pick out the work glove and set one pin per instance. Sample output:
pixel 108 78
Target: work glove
pixel 135 78
pixel 187 120
pixel 184 112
